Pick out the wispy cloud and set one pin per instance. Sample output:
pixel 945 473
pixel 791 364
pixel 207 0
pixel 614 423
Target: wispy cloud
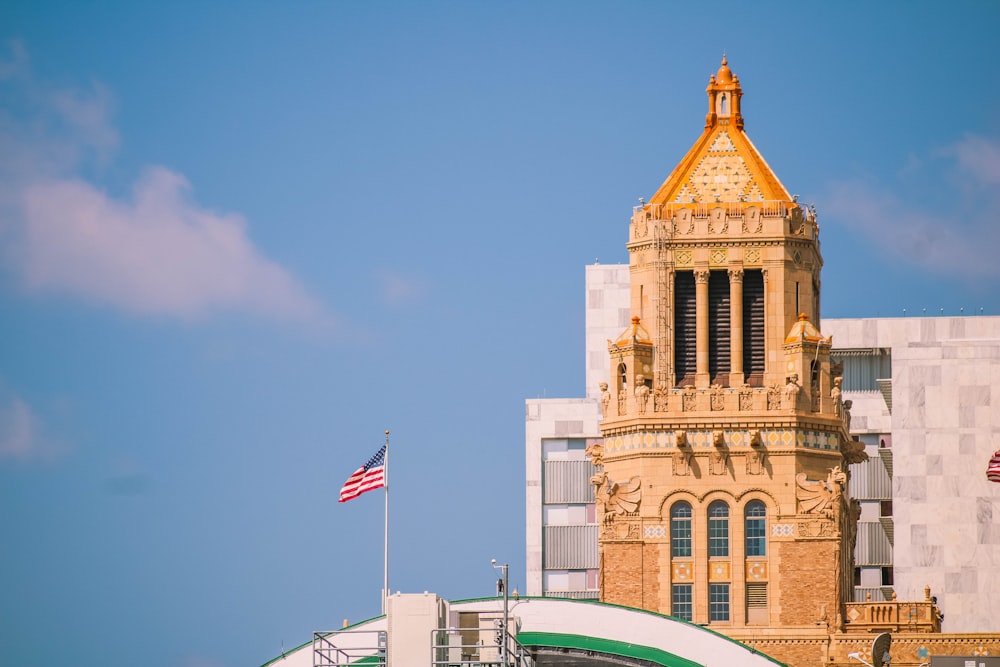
pixel 156 252
pixel 398 289
pixel 20 430
pixel 940 215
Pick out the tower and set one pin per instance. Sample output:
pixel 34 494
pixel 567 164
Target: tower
pixel 721 477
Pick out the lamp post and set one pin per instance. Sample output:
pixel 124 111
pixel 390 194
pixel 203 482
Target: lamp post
pixel 502 585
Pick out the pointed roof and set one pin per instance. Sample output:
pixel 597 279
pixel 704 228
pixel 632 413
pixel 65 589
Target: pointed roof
pixel 723 165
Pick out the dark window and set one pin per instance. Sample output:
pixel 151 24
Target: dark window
pixel 885 508
pixel 685 327
pixel 887 576
pixel 757 594
pixel 718 602
pixel 756 528
pixel 680 602
pixel 857 576
pixel 718 529
pixel 680 529
pixel 719 327
pixel 753 326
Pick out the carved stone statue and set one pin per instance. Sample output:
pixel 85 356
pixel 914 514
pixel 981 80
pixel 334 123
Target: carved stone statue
pixel 682 462
pixel 847 414
pixel 791 392
pixel 621 402
pixel 605 399
pixel 821 496
pixel 718 460
pixel 613 499
pixel 595 452
pixel 835 393
pixel 755 461
pixel 681 438
pixel 641 394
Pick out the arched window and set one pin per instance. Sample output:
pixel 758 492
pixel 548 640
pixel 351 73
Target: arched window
pixel 756 528
pixel 622 377
pixel 722 104
pixel 718 529
pixel 680 529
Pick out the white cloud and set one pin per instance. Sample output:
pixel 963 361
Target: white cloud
pixel 19 430
pixel 156 252
pixel 940 216
pixel 397 289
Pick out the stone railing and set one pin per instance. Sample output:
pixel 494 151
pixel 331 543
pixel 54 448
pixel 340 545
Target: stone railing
pixel 892 616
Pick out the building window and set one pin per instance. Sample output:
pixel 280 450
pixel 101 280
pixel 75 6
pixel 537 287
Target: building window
pixel 718 529
pixel 753 326
pixel 718 602
pixel 887 576
pixel 680 530
pixel 719 337
pixel 757 595
pixel 885 508
pixel 756 528
pixel 681 605
pixel 685 328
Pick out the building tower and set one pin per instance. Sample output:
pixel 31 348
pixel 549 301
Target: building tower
pixel 721 478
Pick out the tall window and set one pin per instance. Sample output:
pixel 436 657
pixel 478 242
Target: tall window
pixel 685 327
pixel 718 529
pixel 756 528
pixel 719 312
pixel 680 602
pixel 718 602
pixel 680 529
pixel 753 326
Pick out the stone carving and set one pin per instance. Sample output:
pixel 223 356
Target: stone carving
pixel 719 458
pixel 718 397
pixel 681 438
pixel 660 396
pixel 605 399
pixel 621 402
pixel 595 452
pixel 846 408
pixel 773 397
pixel 682 462
pixel 689 399
pixel 641 394
pixel 701 276
pixel 755 460
pixel 815 528
pixel 853 451
pixel 613 499
pixel 821 496
pixel 752 222
pixel 746 397
pixel 791 392
pixel 835 394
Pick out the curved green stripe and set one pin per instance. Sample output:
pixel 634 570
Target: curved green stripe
pixel 600 645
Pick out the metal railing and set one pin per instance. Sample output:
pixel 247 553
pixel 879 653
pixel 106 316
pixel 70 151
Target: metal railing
pixel 472 647
pixel 352 647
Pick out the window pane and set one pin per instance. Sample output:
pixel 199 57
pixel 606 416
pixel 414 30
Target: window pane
pixel 718 602
pixel 718 529
pixel 680 530
pixel 681 606
pixel 756 528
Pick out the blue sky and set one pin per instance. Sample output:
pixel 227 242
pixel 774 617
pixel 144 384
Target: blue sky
pixel 239 241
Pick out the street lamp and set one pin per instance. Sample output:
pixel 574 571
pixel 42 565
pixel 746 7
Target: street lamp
pixel 502 588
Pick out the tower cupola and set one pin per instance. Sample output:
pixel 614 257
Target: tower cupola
pixel 724 93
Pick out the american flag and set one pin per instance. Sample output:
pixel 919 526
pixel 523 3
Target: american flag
pixel 366 478
pixel 993 469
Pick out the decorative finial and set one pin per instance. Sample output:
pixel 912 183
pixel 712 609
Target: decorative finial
pixel 724 58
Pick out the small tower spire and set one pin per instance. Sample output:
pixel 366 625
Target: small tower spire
pixel 724 93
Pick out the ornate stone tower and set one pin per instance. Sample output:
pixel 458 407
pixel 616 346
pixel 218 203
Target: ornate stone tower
pixel 721 476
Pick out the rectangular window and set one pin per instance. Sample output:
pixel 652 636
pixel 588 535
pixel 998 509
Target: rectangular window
pixel 756 537
pixel 719 312
pixel 680 538
pixel 681 602
pixel 885 508
pixel 718 536
pixel 718 602
pixel 685 328
pixel 753 326
pixel 887 576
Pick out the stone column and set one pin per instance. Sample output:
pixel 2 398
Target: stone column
pixel 701 324
pixel 736 327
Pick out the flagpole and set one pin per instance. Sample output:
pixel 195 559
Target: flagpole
pixel 385 580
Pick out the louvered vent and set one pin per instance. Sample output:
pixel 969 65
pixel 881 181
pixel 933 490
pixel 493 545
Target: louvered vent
pixel 757 595
pixel 685 327
pixel 719 327
pixel 753 327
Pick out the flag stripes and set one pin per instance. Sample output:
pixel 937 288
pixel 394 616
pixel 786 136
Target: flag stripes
pixel 368 477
